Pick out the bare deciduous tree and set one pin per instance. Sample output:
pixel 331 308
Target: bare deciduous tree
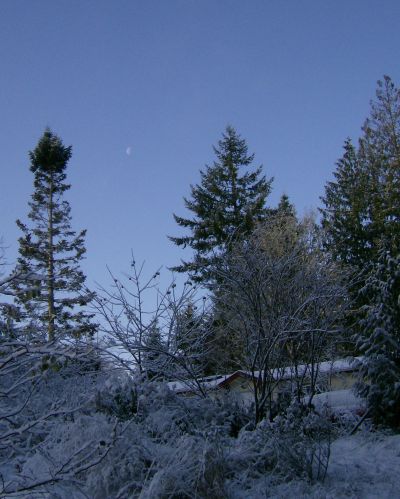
pixel 146 331
pixel 281 299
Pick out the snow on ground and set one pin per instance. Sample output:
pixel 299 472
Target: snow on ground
pixel 338 401
pixel 363 466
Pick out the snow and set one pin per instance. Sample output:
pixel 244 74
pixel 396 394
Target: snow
pixel 326 367
pixel 363 466
pixel 338 400
pixel 208 383
pixel 122 437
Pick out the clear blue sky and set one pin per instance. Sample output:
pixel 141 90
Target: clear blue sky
pixel 164 78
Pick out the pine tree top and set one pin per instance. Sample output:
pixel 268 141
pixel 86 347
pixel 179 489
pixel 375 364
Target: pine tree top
pixel 225 205
pixel 50 154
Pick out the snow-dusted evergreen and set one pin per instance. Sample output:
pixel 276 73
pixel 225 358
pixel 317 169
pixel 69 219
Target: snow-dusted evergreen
pixel 379 342
pixel 51 250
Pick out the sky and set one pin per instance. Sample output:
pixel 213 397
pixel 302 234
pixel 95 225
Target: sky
pixel 143 89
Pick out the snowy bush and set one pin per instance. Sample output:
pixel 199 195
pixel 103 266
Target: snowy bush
pixel 127 466
pixel 98 433
pixel 193 467
pixel 302 443
pixel 41 410
pixel 295 446
pixel 117 397
pixel 169 444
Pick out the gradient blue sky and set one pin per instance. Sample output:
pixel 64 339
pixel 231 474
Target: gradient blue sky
pixel 164 78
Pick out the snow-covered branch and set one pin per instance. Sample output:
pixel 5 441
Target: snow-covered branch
pixel 157 341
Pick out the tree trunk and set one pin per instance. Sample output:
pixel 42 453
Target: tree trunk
pixel 50 269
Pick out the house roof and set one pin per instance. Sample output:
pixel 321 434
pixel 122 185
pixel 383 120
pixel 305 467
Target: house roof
pixel 326 367
pixel 207 383
pixel 284 373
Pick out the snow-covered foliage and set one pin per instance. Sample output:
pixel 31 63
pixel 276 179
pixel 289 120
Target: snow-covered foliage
pixel 366 465
pixel 74 424
pixel 177 440
pixel 380 341
pixel 302 442
pixel 174 446
pixel 78 428
pixel 40 406
pixel 296 445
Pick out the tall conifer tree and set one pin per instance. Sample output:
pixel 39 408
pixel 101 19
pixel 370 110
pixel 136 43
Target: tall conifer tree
pixel 52 251
pixel 345 215
pixel 362 204
pixel 285 207
pixel 380 153
pixel 225 206
pixel 379 340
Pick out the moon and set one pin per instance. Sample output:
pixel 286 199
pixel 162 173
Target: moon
pixel 128 151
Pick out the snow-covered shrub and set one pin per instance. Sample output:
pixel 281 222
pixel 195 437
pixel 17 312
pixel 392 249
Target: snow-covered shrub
pixel 295 447
pixel 194 467
pixel 170 445
pixel 117 397
pixel 165 414
pixel 128 465
pixel 252 455
pixel 44 396
pixel 236 414
pixel 69 448
pixel 107 434
pixel 302 443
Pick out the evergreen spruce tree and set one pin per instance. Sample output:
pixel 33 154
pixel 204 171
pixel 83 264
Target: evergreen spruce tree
pixel 195 339
pixel 285 208
pixel 153 356
pixel 381 138
pixel 379 341
pixel 362 205
pixel 52 251
pixel 345 216
pixel 380 153
pixel 225 206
